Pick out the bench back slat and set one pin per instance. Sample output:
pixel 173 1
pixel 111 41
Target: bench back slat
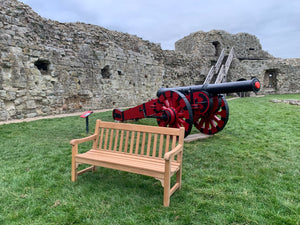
pixel 143 144
pixel 111 139
pixel 101 137
pixel 136 139
pixel 167 143
pixel 154 145
pixel 132 142
pixel 138 134
pixel 116 140
pixel 126 141
pixel 121 141
pixel 149 143
pixel 106 138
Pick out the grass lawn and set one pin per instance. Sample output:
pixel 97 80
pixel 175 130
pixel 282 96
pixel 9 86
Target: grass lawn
pixel 247 174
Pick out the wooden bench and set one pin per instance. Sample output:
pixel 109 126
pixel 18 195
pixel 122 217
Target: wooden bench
pixel 147 150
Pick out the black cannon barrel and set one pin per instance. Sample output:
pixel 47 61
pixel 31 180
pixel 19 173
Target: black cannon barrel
pixel 222 88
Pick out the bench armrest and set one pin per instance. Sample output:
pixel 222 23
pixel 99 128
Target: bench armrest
pixel 173 152
pixel 81 140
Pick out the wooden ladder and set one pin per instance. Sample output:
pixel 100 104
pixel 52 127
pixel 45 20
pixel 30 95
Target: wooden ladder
pixel 219 68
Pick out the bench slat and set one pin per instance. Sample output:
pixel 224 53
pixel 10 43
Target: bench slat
pixel 154 146
pixel 101 137
pixel 126 141
pixel 106 138
pixel 111 139
pixel 149 143
pixel 143 144
pixel 161 143
pixel 116 140
pixel 138 127
pixel 132 142
pixel 126 160
pixel 137 143
pixel 167 143
pixel 121 141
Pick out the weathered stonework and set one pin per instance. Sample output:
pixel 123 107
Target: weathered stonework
pixel 278 76
pixel 211 43
pixel 47 67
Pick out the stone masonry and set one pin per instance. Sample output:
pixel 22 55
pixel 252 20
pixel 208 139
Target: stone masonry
pixel 48 67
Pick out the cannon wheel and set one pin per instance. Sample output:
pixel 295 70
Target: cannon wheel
pixel 175 111
pixel 216 120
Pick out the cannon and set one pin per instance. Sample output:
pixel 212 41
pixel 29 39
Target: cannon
pixel 201 105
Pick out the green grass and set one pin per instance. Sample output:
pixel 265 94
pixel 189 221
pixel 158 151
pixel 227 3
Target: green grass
pixel 246 174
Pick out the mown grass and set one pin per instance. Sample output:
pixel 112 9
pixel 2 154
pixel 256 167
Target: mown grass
pixel 246 174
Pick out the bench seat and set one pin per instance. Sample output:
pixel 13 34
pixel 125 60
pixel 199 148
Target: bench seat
pixel 144 165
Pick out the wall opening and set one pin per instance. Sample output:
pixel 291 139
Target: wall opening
pixel 105 72
pixel 42 65
pixel 270 78
pixel 217 46
pixel 213 62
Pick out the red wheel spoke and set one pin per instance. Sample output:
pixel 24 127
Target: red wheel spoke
pixel 212 124
pixel 180 114
pixel 167 103
pixel 184 123
pixel 222 113
pixel 215 118
pixel 179 108
pixel 201 122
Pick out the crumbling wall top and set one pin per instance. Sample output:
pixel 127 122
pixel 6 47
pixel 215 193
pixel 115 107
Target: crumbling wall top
pixel 211 43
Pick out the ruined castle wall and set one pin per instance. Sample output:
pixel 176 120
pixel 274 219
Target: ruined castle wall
pixel 277 76
pixel 211 43
pixel 47 67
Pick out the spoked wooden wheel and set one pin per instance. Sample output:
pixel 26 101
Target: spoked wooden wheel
pixel 174 110
pixel 216 120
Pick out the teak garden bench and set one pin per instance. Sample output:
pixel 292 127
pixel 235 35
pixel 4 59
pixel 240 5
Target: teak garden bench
pixel 147 150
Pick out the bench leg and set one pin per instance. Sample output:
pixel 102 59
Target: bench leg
pixel 74 164
pixel 178 178
pixel 168 191
pixel 167 183
pixel 74 171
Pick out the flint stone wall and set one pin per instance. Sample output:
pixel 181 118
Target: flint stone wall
pixel 47 67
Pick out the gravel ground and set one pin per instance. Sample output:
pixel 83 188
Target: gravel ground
pixel 49 117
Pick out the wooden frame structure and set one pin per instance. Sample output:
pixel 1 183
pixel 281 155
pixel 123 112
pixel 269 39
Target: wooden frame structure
pixel 147 150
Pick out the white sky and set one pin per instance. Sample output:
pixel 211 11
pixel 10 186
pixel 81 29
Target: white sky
pixel 275 22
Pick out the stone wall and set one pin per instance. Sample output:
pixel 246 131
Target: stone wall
pixel 211 43
pixel 47 67
pixel 278 76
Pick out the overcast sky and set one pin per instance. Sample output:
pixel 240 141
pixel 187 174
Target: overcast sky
pixel 275 22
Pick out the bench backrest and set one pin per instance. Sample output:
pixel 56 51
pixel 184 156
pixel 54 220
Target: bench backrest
pixel 150 141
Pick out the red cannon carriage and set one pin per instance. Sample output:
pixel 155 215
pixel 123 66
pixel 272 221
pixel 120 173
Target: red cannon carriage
pixel 201 105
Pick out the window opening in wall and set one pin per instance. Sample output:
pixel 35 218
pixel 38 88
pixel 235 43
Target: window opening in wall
pixel 217 48
pixel 270 78
pixel 105 72
pixel 42 65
